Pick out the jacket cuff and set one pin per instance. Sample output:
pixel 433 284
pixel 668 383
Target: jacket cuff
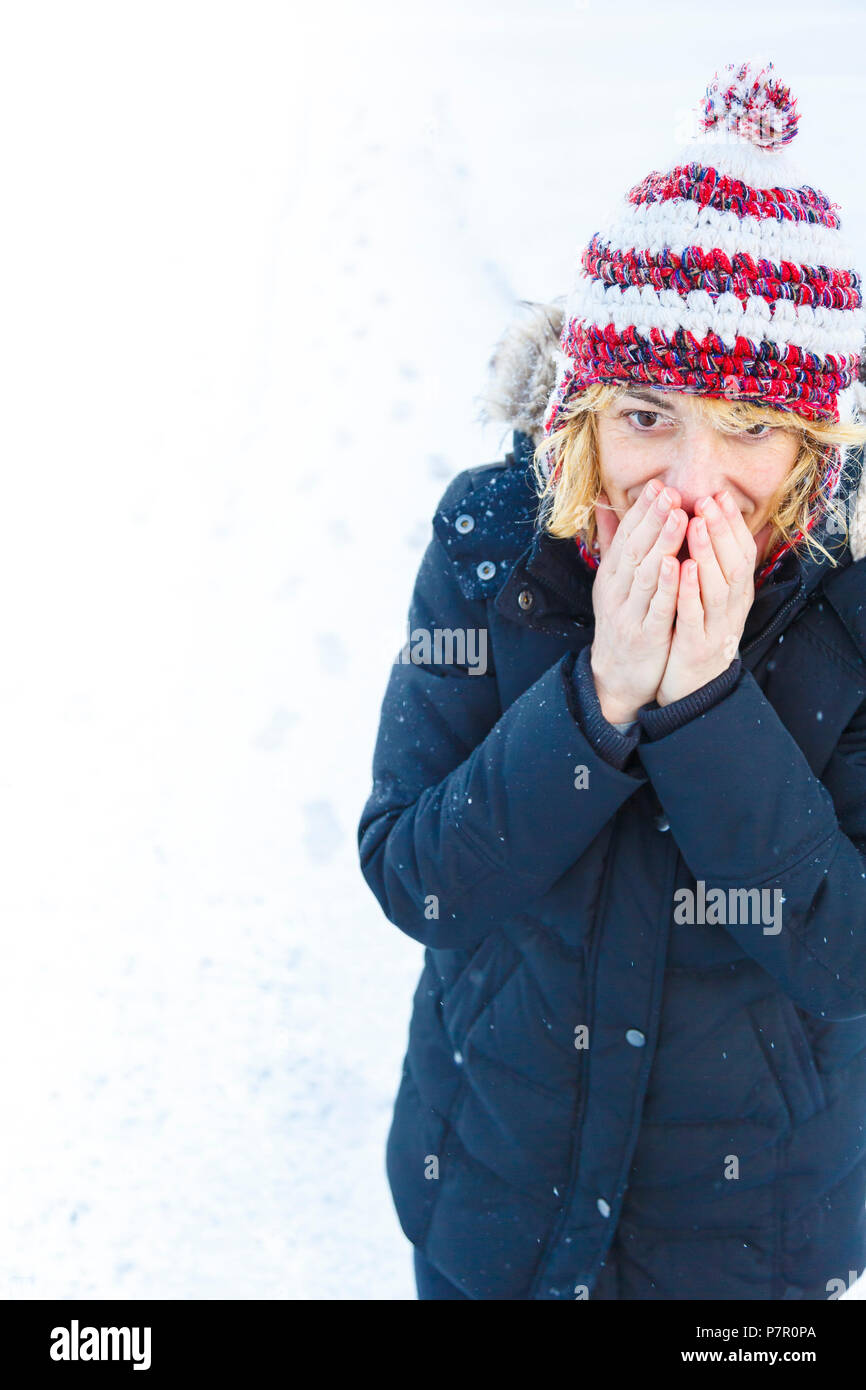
pixel 615 743
pixel 658 720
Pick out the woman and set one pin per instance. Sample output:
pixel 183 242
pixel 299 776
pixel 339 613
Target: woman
pixel 633 838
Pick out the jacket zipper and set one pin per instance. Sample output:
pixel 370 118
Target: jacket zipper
pixel 776 623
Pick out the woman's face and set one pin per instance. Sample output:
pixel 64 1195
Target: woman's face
pixel 660 434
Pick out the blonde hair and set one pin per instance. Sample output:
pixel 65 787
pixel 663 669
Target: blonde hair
pixel 566 464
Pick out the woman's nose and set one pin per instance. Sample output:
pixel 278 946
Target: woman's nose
pixel 693 469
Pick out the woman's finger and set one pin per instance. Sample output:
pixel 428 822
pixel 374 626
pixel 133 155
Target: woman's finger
pixel 663 604
pixel 606 523
pixel 729 547
pixel 629 523
pixel 737 523
pixel 690 609
pixel 715 590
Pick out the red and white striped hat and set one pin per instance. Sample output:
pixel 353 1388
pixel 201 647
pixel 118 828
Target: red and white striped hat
pixel 726 275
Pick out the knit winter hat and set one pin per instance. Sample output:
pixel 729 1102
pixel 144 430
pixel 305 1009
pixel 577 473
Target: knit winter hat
pixel 725 274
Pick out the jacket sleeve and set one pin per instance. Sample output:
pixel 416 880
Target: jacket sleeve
pixel 615 742
pixel 474 811
pixel 749 814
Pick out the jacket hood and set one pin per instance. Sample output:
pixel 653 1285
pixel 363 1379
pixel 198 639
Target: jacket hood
pixel 522 373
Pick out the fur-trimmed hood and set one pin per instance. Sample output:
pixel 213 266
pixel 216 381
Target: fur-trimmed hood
pixel 522 374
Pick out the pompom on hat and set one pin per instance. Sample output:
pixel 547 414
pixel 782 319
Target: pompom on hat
pixel 725 274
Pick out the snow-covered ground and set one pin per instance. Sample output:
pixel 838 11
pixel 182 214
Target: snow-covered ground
pixel 256 257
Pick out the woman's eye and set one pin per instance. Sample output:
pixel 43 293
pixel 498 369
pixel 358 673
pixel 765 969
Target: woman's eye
pixel 752 428
pixel 653 415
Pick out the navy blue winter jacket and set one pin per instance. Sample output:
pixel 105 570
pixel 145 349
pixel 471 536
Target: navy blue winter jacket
pixel 612 1090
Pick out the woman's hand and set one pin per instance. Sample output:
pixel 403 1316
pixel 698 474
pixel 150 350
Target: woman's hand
pixel 716 591
pixel 634 598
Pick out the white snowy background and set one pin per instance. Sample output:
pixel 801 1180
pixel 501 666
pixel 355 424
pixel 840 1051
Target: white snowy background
pixel 255 259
